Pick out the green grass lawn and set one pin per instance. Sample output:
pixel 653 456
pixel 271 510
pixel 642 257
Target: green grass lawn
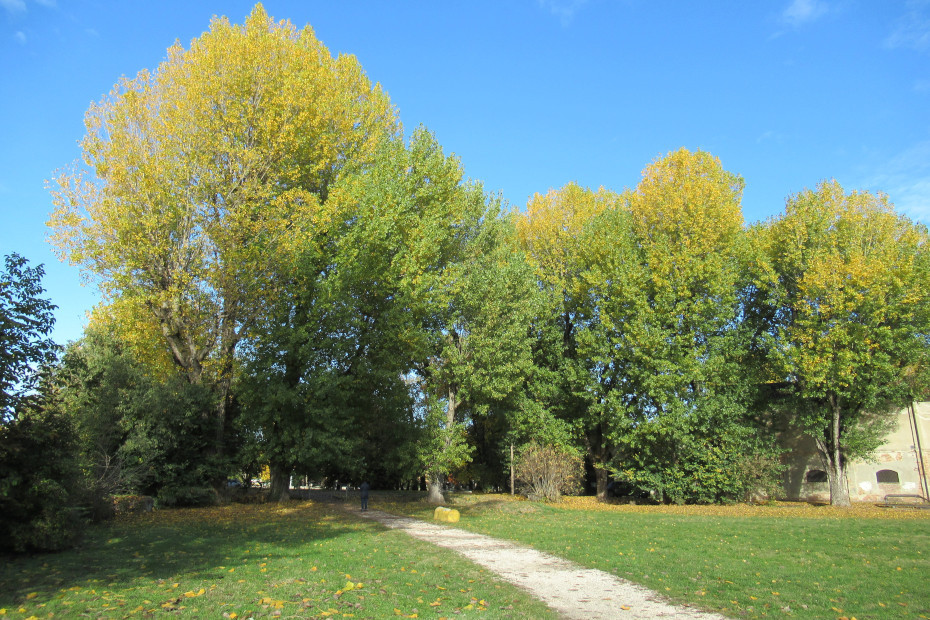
pixel 303 560
pixel 785 561
pixel 308 560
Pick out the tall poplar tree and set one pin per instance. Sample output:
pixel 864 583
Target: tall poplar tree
pixel 552 232
pixel 199 178
pixel 848 318
pixel 664 341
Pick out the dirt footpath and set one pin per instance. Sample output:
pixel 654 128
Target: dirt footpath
pixel 571 590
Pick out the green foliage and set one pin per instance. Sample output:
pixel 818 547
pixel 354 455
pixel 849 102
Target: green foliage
pixel 203 180
pixel 39 477
pixel 427 266
pixel 558 397
pixel 177 495
pixel 343 303
pixel 137 432
pixel 95 385
pixel 644 337
pixel 26 320
pixel 491 302
pixel 170 438
pixel 712 455
pixel 39 482
pixel 323 390
pixel 442 447
pixel 845 313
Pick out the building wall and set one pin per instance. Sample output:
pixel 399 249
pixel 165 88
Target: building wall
pixel 894 470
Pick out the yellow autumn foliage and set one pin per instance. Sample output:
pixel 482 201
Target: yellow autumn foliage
pixel 202 179
pixel 551 230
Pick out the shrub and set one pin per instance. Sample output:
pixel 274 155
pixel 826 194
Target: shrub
pixel 39 483
pixel 548 471
pixel 174 495
pixel 127 504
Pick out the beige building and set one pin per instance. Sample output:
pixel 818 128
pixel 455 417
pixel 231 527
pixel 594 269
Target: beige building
pixel 899 466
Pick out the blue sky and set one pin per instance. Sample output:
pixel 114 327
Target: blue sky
pixel 529 94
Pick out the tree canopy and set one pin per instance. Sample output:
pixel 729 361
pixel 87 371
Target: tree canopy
pixel 203 178
pixel 292 282
pixel 848 320
pixel 26 321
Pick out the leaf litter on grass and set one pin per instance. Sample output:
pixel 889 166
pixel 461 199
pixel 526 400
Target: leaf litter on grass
pixel 237 561
pixel 743 560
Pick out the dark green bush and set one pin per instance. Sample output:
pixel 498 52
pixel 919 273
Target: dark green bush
pixel 172 496
pixel 39 483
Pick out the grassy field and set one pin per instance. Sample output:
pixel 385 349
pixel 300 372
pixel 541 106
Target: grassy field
pixel 789 560
pixel 304 560
pixel 309 560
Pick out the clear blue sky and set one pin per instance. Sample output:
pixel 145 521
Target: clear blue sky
pixel 529 94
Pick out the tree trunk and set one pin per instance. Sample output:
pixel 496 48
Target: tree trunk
pixel 223 388
pixel 512 487
pixel 839 492
pixel 189 357
pixel 280 483
pixel 830 448
pixel 600 474
pixel 435 478
pixel 599 454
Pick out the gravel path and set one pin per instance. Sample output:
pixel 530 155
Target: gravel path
pixel 571 590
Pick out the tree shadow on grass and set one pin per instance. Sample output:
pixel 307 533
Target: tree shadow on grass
pixel 190 545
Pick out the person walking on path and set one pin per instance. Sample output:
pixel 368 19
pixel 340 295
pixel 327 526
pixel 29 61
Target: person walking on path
pixel 364 494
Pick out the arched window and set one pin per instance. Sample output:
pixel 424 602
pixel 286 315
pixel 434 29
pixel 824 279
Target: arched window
pixel 817 475
pixel 887 476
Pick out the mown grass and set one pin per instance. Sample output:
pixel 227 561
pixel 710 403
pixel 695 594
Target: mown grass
pixel 303 560
pixel 745 561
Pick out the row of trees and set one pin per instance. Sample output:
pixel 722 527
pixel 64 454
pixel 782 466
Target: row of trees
pixel 689 341
pixel 292 282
